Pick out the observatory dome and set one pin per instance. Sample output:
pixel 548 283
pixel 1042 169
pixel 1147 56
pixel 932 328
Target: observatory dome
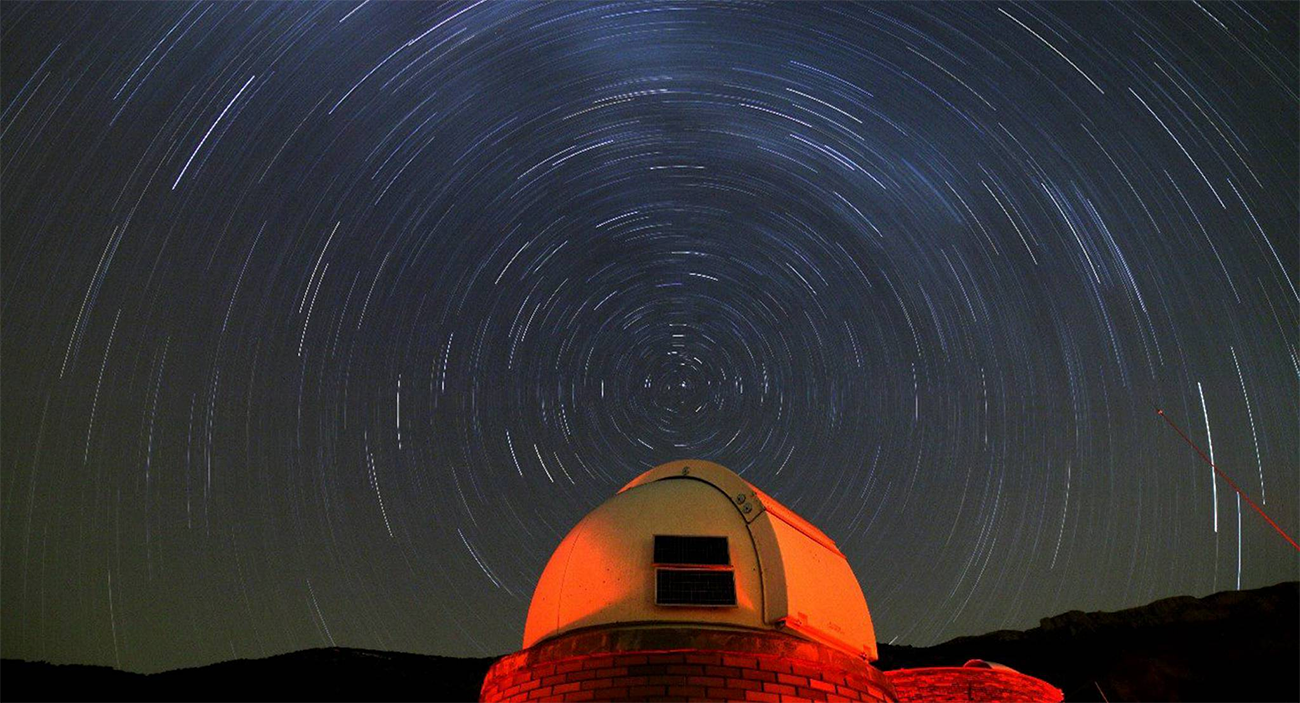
pixel 690 543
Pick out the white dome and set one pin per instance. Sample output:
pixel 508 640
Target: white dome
pixel 787 574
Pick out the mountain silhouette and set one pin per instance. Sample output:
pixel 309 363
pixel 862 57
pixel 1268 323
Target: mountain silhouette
pixel 1233 645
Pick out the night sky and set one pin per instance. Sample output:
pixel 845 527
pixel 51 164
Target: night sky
pixel 323 323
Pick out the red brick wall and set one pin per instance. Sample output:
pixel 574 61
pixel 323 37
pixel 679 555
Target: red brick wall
pixel 684 675
pixel 970 684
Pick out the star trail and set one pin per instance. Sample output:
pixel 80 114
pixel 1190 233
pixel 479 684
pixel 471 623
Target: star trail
pixel 324 322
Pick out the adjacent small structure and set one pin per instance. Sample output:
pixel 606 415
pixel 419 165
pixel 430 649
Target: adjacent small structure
pixel 690 583
pixel 976 680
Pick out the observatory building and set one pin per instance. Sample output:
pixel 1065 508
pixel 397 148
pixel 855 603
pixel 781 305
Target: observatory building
pixel 690 583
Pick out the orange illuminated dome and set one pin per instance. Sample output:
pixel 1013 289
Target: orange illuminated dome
pixel 771 568
pixel 690 583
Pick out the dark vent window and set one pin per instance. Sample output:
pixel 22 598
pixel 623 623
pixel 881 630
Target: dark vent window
pixel 695 587
pixel 692 551
pixel 693 570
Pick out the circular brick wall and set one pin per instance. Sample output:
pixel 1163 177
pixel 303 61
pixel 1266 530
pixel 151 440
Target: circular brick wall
pixel 682 664
pixel 965 683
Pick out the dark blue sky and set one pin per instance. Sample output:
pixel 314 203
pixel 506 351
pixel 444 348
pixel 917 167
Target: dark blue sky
pixel 322 323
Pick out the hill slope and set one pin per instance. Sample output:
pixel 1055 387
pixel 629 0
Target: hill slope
pixel 1234 645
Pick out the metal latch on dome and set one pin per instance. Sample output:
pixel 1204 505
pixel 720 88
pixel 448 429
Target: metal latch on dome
pixel 748 504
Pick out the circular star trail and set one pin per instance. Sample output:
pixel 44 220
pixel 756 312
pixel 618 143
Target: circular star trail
pixel 323 323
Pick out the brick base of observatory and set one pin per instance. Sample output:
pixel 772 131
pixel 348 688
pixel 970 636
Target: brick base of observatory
pixel 971 683
pixel 683 664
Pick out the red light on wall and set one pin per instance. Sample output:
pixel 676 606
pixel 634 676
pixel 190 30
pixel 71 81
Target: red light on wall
pixel 701 664
pixel 971 683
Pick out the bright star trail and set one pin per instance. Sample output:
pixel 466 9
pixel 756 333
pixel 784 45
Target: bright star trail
pixel 323 322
